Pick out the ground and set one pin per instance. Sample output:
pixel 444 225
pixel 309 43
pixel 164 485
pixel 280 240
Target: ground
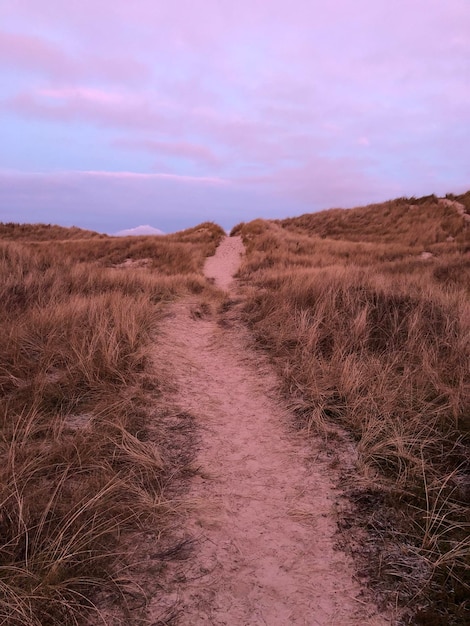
pixel 261 508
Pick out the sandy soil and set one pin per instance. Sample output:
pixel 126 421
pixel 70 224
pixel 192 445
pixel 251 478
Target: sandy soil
pixel 224 264
pixel 261 507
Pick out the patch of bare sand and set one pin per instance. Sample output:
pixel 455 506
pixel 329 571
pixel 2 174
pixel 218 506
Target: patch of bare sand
pixel 261 506
pixel 224 264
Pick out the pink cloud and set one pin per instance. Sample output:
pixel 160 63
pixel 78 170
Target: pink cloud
pixel 32 53
pixel 239 136
pixel 87 94
pixel 186 150
pixel 142 176
pixel 37 54
pixel 319 181
pixel 95 106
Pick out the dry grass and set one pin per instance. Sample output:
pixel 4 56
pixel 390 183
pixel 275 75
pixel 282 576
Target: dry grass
pixel 369 335
pixel 44 232
pixel 80 465
pixel 178 253
pixel 391 222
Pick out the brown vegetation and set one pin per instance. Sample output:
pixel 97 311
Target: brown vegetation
pixel 365 313
pixel 80 463
pixel 44 232
pixel 407 221
pixel 372 335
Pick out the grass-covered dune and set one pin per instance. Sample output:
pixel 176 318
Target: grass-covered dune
pixel 365 313
pixel 82 444
pixel 44 232
pixel 370 334
pixel 408 221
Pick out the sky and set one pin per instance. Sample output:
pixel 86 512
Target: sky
pixel 174 112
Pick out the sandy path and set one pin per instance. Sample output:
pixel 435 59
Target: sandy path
pixel 261 503
pixel 223 265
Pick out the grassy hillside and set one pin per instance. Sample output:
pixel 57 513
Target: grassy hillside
pixel 373 336
pixel 407 221
pixel 44 232
pixel 179 253
pixel 85 454
pixel 366 316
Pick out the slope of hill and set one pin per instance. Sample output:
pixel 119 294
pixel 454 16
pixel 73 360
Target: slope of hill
pixel 44 232
pixel 88 451
pixel 408 221
pixel 366 314
pixel 371 341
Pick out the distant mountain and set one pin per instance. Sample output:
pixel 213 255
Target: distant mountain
pixel 140 230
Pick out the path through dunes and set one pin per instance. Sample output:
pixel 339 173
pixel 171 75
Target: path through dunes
pixel 261 504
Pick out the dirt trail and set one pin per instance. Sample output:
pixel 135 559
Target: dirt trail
pixel 224 264
pixel 261 505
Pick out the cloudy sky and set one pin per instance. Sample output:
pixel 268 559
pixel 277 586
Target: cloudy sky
pixel 172 112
